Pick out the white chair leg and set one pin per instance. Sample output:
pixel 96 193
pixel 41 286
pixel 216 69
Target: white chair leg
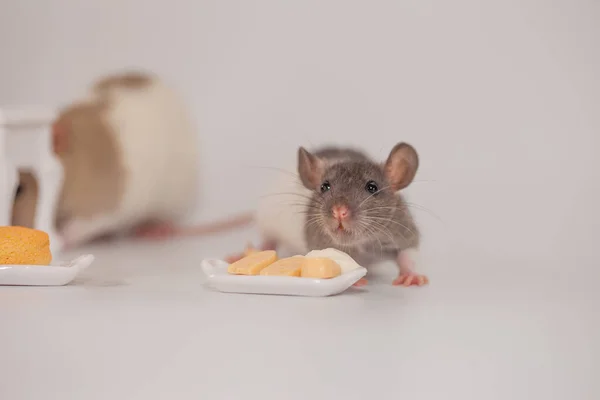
pixel 49 178
pixel 27 142
pixel 9 182
pixel 8 179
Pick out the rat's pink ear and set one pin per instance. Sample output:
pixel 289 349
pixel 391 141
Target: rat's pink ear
pixel 310 168
pixel 60 137
pixel 401 166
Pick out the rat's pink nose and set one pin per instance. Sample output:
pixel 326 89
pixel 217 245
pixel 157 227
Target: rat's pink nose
pixel 340 212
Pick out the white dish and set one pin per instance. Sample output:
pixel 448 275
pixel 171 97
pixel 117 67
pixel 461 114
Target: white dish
pixel 56 274
pixel 221 280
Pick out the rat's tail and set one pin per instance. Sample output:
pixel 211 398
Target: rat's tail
pixel 238 221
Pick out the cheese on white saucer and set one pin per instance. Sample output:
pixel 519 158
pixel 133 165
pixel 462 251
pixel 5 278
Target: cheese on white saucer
pixel 346 262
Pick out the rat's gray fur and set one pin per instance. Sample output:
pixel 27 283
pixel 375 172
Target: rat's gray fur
pixel 380 225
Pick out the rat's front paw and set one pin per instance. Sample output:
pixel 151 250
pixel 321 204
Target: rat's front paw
pixel 361 282
pixel 408 279
pixel 249 250
pixel 234 257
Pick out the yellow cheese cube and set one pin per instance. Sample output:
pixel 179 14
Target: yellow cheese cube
pixel 285 267
pixel 321 268
pixel 253 264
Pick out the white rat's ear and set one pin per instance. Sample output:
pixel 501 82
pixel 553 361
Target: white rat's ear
pixel 310 168
pixel 60 136
pixel 401 166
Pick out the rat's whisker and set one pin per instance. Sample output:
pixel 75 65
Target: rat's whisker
pixel 371 233
pixel 377 211
pixel 388 220
pixel 371 196
pixel 304 205
pixel 381 245
pixel 299 208
pixel 381 228
pixel 318 222
pixel 307 204
pixel 312 214
pixel 312 219
pixel 420 207
pixel 301 195
pixel 384 208
pixel 407 205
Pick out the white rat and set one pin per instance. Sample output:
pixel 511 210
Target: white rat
pixel 130 156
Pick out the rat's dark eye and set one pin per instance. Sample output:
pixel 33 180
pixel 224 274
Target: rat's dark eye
pixel 325 187
pixel 371 187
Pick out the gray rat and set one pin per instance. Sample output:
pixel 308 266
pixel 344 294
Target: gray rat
pixel 346 201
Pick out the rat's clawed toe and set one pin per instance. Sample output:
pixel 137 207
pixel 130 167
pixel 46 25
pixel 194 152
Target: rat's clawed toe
pixel 410 279
pixel 361 282
pixel 234 257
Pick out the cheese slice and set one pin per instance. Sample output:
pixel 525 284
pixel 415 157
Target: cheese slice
pixel 345 262
pixel 285 267
pixel 253 263
pixel 320 268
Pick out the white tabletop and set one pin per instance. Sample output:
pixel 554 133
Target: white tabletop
pixel 141 325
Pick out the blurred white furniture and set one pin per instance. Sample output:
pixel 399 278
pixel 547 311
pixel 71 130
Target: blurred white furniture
pixel 8 179
pixel 26 145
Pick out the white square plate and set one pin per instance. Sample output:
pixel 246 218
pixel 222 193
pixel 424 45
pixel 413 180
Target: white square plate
pixel 55 274
pixel 221 280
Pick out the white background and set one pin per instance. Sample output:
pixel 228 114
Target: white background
pixel 501 99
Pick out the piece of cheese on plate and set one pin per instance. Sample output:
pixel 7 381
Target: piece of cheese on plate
pixel 345 262
pixel 253 263
pixel 320 268
pixel 285 267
